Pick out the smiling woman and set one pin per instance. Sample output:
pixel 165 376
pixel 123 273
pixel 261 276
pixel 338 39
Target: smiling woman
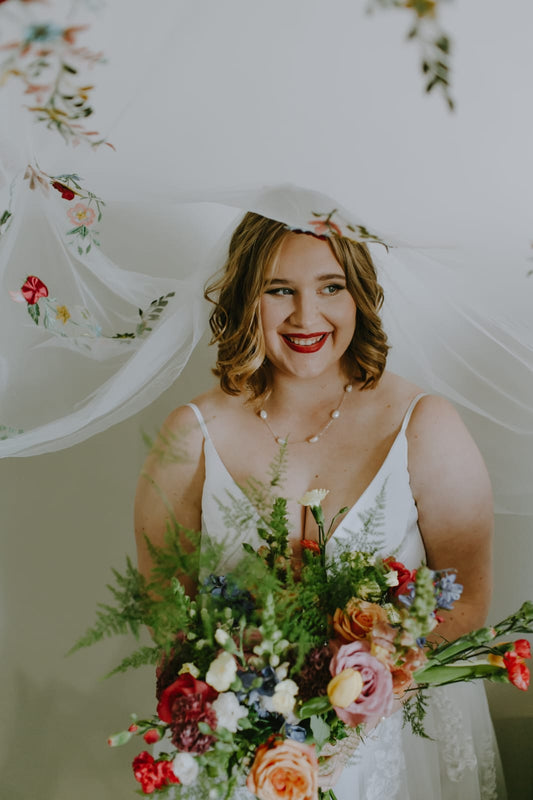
pixel 306 310
pixel 301 345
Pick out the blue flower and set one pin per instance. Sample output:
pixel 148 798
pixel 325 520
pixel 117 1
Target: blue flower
pixel 447 591
pixel 296 732
pixel 239 600
pixel 407 599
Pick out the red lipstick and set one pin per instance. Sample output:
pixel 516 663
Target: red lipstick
pixel 296 341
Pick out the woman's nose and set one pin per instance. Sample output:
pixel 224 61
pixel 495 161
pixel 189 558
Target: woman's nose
pixel 305 311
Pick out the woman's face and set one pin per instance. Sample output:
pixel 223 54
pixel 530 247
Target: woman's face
pixel 307 313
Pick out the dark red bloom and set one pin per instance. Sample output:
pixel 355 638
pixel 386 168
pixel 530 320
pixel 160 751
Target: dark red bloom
pixel 152 774
pixel 66 192
pixel 187 712
pixel 184 686
pixel 516 670
pixel 33 290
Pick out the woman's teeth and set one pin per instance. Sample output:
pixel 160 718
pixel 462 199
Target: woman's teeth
pixel 304 342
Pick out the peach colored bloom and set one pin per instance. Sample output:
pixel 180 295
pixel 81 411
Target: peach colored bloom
pixel 357 619
pixel 284 770
pixel 81 214
pixel 323 227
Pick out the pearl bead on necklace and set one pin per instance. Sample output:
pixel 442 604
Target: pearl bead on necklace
pixel 335 414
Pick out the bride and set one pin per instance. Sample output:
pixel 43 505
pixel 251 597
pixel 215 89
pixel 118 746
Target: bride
pixel 301 359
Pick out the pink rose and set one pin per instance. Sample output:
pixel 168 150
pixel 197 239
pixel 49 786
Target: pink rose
pixel 376 698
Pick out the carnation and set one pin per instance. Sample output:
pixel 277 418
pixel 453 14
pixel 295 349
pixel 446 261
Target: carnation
pixel 313 498
pixel 185 768
pixel 229 711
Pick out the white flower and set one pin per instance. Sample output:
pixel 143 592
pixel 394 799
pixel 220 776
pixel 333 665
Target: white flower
pixel 189 667
pixel 222 672
pixel 282 671
pixel 313 498
pixel 185 768
pixel 221 636
pixel 229 711
pixel 284 697
pixel 391 578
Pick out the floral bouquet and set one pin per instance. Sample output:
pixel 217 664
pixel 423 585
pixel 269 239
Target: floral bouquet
pixel 267 679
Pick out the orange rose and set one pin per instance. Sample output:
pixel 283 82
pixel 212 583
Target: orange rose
pixel 357 619
pixel 283 769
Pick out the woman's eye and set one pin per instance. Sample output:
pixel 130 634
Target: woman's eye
pixel 281 290
pixel 333 288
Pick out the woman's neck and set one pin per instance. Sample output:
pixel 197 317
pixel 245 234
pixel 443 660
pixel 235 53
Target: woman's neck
pixel 304 395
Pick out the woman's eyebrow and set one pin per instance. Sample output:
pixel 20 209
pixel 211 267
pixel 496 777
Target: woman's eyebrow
pixel 333 276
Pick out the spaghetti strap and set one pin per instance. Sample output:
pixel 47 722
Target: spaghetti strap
pixel 201 421
pixel 410 410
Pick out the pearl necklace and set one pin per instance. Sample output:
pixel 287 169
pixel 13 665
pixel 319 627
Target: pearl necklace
pixel 335 414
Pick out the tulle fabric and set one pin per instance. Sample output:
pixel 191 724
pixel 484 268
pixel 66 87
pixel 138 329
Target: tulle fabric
pixel 458 319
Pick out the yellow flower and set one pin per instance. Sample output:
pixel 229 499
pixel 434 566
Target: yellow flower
pixel 190 668
pixel 63 314
pixel 496 661
pixel 345 688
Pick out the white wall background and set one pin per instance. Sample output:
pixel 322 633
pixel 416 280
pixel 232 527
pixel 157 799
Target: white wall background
pixel 298 91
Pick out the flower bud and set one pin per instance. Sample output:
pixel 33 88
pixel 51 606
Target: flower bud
pixel 152 736
pixel 345 688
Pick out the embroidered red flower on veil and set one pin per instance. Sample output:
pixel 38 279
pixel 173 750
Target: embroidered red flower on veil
pixel 65 191
pixel 33 290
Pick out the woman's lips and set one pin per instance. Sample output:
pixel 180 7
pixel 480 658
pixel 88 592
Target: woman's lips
pixel 305 342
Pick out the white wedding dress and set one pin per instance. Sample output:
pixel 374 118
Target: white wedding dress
pixel 460 761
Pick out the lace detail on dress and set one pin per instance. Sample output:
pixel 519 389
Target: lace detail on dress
pixel 487 763
pixel 336 757
pixel 457 746
pixel 389 760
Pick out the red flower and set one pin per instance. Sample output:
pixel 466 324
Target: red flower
pixel 184 686
pixel 33 290
pixel 522 648
pixel 152 774
pixel 66 193
pixel 517 670
pixel 309 544
pixel 152 736
pixel 405 576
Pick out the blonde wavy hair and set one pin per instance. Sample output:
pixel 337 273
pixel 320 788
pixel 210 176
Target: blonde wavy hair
pixel 235 321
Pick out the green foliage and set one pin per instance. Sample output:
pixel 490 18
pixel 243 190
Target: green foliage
pixel 414 710
pixel 150 314
pixel 132 601
pixel 435 44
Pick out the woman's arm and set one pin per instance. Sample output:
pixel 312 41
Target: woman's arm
pixel 170 488
pixel 452 491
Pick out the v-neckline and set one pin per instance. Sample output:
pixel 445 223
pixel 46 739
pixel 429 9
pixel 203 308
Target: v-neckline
pixel 343 522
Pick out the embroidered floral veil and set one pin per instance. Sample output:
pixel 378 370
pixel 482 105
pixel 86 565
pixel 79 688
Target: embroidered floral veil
pixel 87 340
